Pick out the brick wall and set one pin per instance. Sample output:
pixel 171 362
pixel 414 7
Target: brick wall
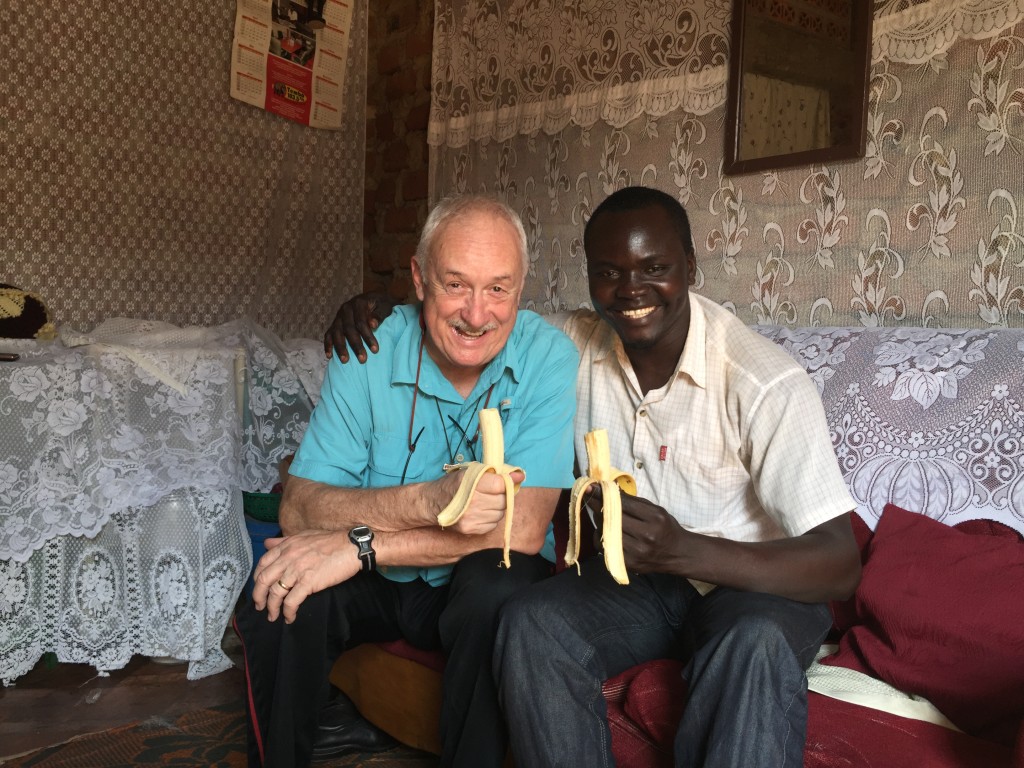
pixel 397 109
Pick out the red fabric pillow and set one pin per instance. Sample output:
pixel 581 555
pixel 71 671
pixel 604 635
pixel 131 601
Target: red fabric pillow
pixel 941 614
pixel 656 699
pixel 632 745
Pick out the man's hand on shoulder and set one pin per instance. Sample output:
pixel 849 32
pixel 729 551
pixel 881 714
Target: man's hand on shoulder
pixel 295 567
pixel 354 324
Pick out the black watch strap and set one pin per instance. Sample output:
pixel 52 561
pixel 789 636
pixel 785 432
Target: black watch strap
pixel 362 537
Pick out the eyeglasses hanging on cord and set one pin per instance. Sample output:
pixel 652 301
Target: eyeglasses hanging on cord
pixel 470 441
pixel 412 450
pixel 454 457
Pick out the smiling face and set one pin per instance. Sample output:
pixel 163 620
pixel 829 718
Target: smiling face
pixel 470 292
pixel 640 271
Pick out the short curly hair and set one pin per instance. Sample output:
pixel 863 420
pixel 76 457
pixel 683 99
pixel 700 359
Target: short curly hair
pixel 637 198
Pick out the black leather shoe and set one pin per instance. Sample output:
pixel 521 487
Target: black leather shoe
pixel 343 731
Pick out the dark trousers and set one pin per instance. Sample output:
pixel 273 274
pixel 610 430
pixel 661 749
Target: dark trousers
pixel 747 699
pixel 287 665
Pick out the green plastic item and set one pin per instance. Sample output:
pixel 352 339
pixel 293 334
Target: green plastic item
pixel 261 506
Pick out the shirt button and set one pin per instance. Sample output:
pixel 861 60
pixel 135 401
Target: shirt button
pixel 639 465
pixel 643 411
pixel 459 458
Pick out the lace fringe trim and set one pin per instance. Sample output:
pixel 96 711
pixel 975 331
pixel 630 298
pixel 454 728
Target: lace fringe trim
pixel 618 105
pixel 920 33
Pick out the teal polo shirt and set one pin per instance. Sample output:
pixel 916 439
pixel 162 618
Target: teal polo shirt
pixel 358 435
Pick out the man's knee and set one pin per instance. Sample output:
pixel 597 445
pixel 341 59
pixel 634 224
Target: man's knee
pixel 523 624
pixel 311 622
pixel 761 635
pixel 252 626
pixel 768 625
pixel 534 613
pixel 762 641
pixel 482 580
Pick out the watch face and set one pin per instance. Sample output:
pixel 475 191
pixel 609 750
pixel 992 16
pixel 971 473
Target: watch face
pixel 362 537
pixel 360 534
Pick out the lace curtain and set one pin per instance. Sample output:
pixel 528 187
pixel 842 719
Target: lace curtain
pixel 522 66
pixel 553 106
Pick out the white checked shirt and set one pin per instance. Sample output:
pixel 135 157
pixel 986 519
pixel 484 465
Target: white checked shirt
pixel 734 445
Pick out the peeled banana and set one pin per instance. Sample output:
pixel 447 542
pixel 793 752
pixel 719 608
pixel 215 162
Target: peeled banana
pixel 612 482
pixel 493 440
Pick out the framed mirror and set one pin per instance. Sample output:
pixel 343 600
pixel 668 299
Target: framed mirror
pixel 798 83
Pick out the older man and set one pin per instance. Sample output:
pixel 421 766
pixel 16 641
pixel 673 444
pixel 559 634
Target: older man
pixel 363 557
pixel 739 535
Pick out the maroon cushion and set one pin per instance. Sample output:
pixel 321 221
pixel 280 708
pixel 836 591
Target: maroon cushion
pixel 845 735
pixel 644 706
pixel 839 734
pixel 940 614
pixel 656 699
pixel 632 747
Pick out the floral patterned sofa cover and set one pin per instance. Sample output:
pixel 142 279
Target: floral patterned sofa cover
pixel 927 663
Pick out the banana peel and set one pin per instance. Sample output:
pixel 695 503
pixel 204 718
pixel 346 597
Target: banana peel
pixel 493 439
pixel 613 482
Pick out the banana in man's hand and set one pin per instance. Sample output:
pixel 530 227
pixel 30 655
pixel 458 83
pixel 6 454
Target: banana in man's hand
pixel 612 482
pixel 493 439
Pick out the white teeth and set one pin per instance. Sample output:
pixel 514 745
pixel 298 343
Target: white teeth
pixel 463 329
pixel 634 314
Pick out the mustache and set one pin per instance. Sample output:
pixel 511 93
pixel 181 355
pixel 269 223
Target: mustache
pixel 464 327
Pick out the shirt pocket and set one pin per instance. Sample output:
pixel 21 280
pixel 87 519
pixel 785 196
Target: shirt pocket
pixel 390 459
pixel 707 493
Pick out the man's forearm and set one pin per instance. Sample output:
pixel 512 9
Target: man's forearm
pixel 309 505
pixel 822 564
pixel 434 545
pixel 427 547
pixel 404 519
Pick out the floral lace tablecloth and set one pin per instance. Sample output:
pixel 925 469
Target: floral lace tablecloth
pixel 123 457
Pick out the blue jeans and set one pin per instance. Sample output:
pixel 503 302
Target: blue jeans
pixel 560 639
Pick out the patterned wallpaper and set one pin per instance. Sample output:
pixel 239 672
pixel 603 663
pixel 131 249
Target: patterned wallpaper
pixel 132 185
pixel 926 229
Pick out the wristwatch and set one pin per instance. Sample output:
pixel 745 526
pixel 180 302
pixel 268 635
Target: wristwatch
pixel 362 537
